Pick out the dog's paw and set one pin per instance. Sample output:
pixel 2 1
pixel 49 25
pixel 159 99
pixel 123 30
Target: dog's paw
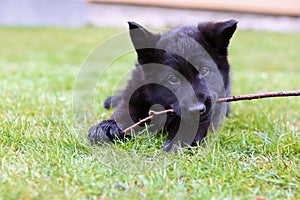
pixel 105 131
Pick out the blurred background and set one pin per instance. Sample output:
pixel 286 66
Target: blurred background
pixel 274 15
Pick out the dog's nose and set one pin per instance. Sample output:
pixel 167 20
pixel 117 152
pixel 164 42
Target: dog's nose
pixel 199 109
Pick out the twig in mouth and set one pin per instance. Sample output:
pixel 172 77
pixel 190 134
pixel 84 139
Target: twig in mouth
pixel 153 114
pixel 259 96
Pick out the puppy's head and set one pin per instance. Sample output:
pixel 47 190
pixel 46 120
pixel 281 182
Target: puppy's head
pixel 190 62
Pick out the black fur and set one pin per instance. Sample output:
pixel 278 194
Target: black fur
pixel 189 73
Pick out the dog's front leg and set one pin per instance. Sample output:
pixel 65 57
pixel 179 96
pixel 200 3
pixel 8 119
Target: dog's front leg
pixel 185 136
pixel 111 129
pixel 201 133
pixel 104 131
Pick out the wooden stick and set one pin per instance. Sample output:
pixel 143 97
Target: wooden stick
pixel 259 96
pixel 153 114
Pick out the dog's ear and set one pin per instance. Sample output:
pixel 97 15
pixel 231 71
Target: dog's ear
pixel 143 42
pixel 218 34
pixel 225 31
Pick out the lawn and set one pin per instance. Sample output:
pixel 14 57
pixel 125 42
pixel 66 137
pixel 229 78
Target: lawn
pixel 45 154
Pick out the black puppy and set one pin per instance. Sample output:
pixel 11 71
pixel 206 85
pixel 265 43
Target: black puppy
pixel 185 69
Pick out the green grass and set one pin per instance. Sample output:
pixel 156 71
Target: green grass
pixel 45 154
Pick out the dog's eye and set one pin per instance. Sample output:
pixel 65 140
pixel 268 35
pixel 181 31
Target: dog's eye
pixel 173 79
pixel 203 71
